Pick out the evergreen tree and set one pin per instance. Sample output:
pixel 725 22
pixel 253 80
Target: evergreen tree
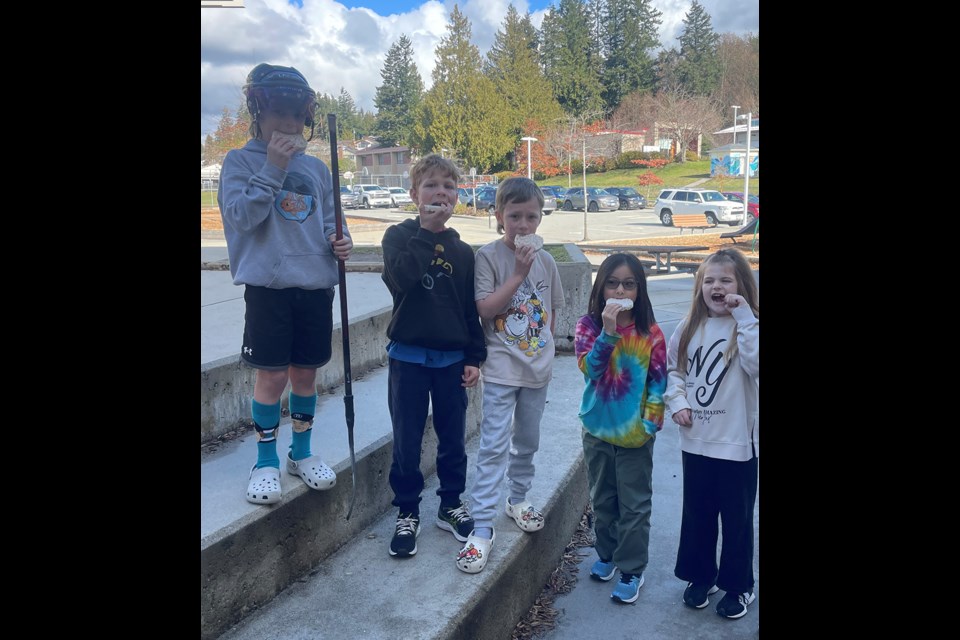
pixel 570 56
pixel 399 96
pixel 461 111
pixel 699 68
pixel 629 32
pixel 513 66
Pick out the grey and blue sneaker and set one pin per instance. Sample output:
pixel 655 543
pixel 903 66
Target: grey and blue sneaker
pixel 603 570
pixel 628 589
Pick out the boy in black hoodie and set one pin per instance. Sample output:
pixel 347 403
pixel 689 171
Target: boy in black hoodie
pixel 436 348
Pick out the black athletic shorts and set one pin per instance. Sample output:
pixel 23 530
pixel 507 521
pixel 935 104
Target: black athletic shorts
pixel 284 327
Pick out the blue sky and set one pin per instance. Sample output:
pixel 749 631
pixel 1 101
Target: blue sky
pixel 343 43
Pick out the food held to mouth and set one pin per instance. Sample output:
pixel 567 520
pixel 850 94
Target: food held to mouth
pixel 626 303
pixel 432 208
pixel 297 139
pixel 532 240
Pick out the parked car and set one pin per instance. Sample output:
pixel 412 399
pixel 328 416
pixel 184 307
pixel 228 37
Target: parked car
pixel 753 207
pixel 371 195
pixel 348 199
pixel 557 192
pixel 549 200
pixel 464 195
pixel 709 202
pixel 486 199
pixel 629 197
pixel 399 196
pixel 598 199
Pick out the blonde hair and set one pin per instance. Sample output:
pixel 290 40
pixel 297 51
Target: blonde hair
pixel 746 287
pixel 430 163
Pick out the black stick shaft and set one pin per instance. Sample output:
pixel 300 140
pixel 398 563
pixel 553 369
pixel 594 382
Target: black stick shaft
pixel 344 318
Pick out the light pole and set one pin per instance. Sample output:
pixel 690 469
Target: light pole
pixel 529 139
pixel 734 107
pixel 746 169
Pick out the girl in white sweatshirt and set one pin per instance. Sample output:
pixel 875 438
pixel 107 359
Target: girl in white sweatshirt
pixel 713 389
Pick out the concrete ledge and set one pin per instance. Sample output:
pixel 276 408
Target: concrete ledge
pixel 226 385
pixel 361 592
pixel 247 562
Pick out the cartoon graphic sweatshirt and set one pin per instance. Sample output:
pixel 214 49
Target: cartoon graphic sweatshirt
pixel 277 222
pixel 625 379
pixel 724 397
pixel 431 278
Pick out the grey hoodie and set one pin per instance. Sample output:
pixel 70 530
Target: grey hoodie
pixel 277 222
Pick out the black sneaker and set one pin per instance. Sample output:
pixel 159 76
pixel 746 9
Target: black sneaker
pixel 734 605
pixel 695 595
pixel 456 520
pixel 404 541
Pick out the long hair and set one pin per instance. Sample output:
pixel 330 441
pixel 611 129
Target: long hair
pixel 642 307
pixel 746 287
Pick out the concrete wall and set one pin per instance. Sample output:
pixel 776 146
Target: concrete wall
pixel 576 278
pixel 226 385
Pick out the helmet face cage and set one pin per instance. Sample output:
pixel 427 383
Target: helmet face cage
pixel 279 87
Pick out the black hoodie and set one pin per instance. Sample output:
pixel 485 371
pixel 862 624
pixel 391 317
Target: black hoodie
pixel 430 276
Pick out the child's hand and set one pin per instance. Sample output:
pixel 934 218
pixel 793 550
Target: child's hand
pixel 684 418
pixel 734 300
pixel 609 317
pixel 433 216
pixel 280 150
pixel 471 376
pixel 341 248
pixel 524 260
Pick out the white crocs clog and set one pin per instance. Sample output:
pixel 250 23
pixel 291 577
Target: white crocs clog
pixel 264 485
pixel 475 553
pixel 314 472
pixel 526 516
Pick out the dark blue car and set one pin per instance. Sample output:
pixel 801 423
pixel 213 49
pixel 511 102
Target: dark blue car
pixel 629 197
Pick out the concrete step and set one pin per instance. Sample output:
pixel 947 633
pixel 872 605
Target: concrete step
pixel 250 553
pixel 360 591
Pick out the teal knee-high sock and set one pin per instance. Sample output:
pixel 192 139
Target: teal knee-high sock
pixel 266 420
pixel 302 409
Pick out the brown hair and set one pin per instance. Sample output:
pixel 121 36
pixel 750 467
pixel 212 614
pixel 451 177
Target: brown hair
pixel 430 163
pixel 517 189
pixel 746 287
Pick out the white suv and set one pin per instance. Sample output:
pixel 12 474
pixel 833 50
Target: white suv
pixel 372 195
pixel 710 203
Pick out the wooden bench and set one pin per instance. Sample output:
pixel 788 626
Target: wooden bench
pixel 654 250
pixel 691 221
pixel 750 227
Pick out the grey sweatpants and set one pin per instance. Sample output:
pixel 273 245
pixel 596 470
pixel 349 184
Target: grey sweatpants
pixel 511 423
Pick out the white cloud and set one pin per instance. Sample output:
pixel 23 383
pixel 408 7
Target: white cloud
pixel 337 47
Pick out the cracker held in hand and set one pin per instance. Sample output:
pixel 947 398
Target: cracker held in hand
pixel 297 139
pixel 626 303
pixel 532 240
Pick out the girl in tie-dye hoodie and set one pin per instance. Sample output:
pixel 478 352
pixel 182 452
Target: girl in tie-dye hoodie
pixel 623 356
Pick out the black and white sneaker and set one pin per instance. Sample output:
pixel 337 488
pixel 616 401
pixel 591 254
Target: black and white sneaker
pixel 734 605
pixel 404 541
pixel 695 595
pixel 457 520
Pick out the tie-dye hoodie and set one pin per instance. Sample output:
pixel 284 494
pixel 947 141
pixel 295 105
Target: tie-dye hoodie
pixel 626 376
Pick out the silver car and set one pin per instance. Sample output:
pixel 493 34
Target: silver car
pixel 371 195
pixel 399 196
pixel 598 199
pixel 549 201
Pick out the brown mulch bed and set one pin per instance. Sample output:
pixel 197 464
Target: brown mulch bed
pixel 210 219
pixel 542 616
